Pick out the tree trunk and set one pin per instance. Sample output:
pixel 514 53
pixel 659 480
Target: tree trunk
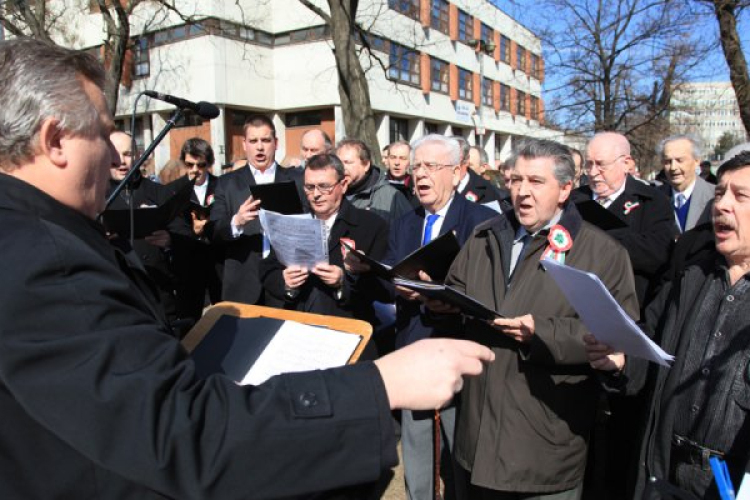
pixel 354 91
pixel 730 43
pixel 115 47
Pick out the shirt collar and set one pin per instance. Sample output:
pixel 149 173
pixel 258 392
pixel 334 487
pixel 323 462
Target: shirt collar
pixel 521 231
pixel 445 208
pixel 688 192
pixel 269 172
pixel 463 183
pixel 614 195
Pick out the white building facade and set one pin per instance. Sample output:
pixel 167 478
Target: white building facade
pixel 707 110
pixel 275 57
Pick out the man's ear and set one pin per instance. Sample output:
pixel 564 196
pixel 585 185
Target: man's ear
pixel 51 141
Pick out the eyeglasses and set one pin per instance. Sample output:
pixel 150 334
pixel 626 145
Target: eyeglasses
pixel 602 166
pixel 323 188
pixel 200 164
pixel 430 166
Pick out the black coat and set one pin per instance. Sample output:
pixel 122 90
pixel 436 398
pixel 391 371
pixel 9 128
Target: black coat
pixel 370 234
pixel 242 256
pixel 650 233
pixel 480 190
pixel 100 401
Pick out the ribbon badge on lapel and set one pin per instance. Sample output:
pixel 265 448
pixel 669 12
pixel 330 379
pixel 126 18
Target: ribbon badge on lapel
pixel 209 199
pixel 630 206
pixel 348 241
pixel 559 242
pixel 471 196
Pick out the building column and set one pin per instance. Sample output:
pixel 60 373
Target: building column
pixel 278 122
pixel 384 125
pixel 162 153
pixel 218 140
pixel 338 119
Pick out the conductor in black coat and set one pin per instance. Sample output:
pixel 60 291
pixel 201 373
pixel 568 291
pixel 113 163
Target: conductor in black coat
pixel 234 216
pixel 326 288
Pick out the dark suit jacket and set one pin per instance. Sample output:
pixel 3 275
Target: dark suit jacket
pixel 370 234
pixel 100 401
pixel 701 201
pixel 480 190
pixel 242 255
pixel 406 236
pixel 650 233
pixel 197 262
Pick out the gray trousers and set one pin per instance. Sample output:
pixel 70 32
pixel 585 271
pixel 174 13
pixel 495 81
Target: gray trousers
pixel 417 447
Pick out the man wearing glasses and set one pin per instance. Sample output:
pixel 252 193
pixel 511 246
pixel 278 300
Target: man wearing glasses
pixel 197 265
pixel 435 176
pixel 648 239
pixel 325 289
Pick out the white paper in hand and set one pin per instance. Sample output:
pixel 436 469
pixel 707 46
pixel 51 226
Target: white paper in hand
pixel 297 239
pixel 602 315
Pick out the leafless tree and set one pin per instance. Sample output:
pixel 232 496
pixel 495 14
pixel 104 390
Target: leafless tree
pixel 615 62
pixel 354 91
pixel 727 13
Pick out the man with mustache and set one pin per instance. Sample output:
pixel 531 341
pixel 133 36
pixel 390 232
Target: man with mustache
pixel 700 405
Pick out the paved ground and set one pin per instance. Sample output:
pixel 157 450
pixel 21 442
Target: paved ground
pixel 395 489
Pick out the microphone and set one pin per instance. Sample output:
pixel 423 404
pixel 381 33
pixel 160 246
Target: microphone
pixel 203 109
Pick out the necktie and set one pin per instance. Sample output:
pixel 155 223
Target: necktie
pixel 680 200
pixel 602 200
pixel 428 228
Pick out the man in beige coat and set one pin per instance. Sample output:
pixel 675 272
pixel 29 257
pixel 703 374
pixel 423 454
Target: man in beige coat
pixel 524 424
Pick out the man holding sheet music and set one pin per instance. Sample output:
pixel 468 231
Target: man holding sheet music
pixel 435 176
pixel 99 400
pixel 326 289
pixel 234 216
pixel 701 404
pixel 524 424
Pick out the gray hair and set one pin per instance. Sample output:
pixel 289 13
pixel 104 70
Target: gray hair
pixel 483 157
pixel 694 144
pixel 450 144
pixel 39 81
pixel 564 170
pixel 739 148
pixel 464 148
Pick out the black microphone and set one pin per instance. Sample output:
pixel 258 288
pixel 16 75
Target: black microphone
pixel 203 109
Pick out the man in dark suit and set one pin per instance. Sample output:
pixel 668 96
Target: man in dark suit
pixel 197 263
pixel 691 196
pixel 648 239
pixel 435 173
pixel 234 215
pixel 476 188
pixel 98 399
pixel 325 289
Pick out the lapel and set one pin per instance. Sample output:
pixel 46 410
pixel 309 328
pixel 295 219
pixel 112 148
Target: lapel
pixel 630 195
pixel 703 193
pixel 454 215
pixel 504 230
pixel 343 227
pixel 411 235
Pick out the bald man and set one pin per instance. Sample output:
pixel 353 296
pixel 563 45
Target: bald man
pixel 314 142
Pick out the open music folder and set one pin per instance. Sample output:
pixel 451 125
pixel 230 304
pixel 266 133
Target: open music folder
pixel 250 344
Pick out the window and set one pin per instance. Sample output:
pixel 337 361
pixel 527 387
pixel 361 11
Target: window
pixel 439 15
pixel 188 119
pixel 398 129
pixel 521 58
pixel 141 64
pixel 303 119
pixel 430 128
pixel 534 108
pixel 464 84
pixel 504 97
pixel 439 75
pixel 408 8
pixel 487 34
pixel 505 49
pixel 487 92
pixel 535 66
pixel 520 103
pixel 404 65
pixel 465 26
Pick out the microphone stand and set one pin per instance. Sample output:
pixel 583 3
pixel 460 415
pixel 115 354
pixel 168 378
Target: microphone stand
pixel 176 115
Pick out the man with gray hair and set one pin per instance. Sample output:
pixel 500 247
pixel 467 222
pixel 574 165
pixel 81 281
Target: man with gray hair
pixel 99 399
pixel 691 196
pixel 523 426
pixel 314 142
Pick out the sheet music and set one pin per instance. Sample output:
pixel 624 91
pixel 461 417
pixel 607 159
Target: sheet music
pixel 602 315
pixel 296 239
pixel 297 347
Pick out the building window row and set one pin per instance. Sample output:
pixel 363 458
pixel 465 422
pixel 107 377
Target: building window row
pixel 403 64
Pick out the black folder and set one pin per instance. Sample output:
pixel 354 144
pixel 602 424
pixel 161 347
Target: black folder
pixel 593 213
pixel 444 293
pixel 280 197
pixel 435 259
pixel 146 220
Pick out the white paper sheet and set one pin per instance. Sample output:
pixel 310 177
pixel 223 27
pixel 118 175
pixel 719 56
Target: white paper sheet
pixel 744 491
pixel 602 315
pixel 296 239
pixel 494 205
pixel 297 347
